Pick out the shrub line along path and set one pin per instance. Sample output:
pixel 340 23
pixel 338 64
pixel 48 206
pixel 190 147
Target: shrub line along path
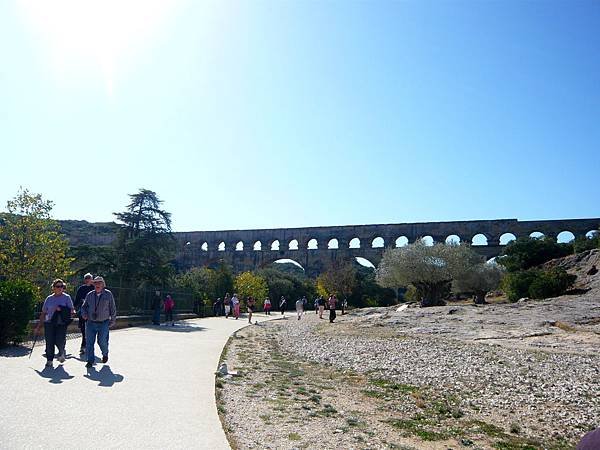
pixel 156 391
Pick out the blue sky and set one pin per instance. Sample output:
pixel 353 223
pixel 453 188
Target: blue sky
pixel 285 114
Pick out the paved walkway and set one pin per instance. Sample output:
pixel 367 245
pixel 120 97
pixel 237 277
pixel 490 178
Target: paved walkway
pixel 156 391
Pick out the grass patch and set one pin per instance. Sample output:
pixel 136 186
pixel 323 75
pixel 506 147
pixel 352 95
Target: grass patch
pixel 294 437
pixel 419 426
pixel 396 387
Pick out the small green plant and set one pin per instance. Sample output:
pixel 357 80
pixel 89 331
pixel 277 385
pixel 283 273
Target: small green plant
pixel 17 302
pixel 294 437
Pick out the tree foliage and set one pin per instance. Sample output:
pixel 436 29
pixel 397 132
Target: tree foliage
pixel 479 280
pixel 584 243
pixel 31 246
pixel 249 284
pixel 339 279
pixel 286 283
pixel 527 252
pixel 431 269
pixel 206 284
pixel 145 245
pixel 17 302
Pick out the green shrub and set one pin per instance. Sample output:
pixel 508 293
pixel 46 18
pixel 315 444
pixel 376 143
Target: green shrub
pixel 17 303
pixel 527 252
pixel 538 284
pixel 583 243
pixel 551 283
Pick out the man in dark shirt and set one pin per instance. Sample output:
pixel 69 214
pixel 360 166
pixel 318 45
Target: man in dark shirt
pixel 82 291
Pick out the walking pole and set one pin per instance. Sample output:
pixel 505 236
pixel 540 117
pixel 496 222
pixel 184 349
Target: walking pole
pixel 35 337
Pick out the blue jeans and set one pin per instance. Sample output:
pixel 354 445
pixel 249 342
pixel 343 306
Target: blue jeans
pixel 156 316
pixel 91 330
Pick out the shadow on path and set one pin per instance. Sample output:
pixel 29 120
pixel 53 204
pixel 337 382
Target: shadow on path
pixel 14 351
pixel 55 375
pixel 105 376
pixel 177 328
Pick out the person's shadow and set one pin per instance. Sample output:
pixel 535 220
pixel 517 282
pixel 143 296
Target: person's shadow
pixel 55 375
pixel 105 376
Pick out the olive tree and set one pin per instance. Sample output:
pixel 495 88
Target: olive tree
pixel 430 269
pixel 479 280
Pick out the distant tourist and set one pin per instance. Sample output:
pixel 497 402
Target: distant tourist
pixel 251 304
pixel 331 302
pixel 299 307
pixel 344 306
pixel 82 291
pixel 321 301
pixel 304 303
pixel 56 315
pixel 316 305
pixel 227 305
pixel 217 307
pixel 267 306
pixel 157 305
pixel 235 305
pixel 282 305
pixel 100 312
pixel 169 307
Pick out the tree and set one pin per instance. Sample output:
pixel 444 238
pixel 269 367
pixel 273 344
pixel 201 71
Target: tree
pixel 430 269
pixel 31 246
pixel 339 279
pixel 478 280
pixel 527 252
pixel 285 283
pixel 145 246
pixel 248 284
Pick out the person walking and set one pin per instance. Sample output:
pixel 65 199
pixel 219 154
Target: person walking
pixel 344 306
pixel 227 305
pixel 82 291
pixel 267 306
pixel 282 305
pixel 321 301
pixel 299 307
pixel 331 302
pixel 169 306
pixel 157 305
pixel 217 307
pixel 56 315
pixel 316 305
pixel 100 312
pixel 251 304
pixel 304 303
pixel 235 304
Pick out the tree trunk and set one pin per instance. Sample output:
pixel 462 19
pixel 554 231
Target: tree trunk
pixel 431 294
pixel 480 298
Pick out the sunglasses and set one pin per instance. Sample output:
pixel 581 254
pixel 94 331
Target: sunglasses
pixel 61 286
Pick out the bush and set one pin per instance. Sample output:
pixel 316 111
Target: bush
pixel 551 283
pixel 17 303
pixel 527 252
pixel 535 283
pixel 583 243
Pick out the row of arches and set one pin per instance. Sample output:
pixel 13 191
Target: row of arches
pixel 479 239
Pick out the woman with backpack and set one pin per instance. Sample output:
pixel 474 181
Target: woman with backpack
pixel 169 306
pixel 56 316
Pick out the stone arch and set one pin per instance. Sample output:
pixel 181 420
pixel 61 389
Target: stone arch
pixel 565 237
pixel 506 238
pixel 402 241
pixel 204 246
pixel 333 244
pixel 427 240
pixel 378 242
pixel 312 244
pixel 239 247
pixel 293 244
pixel 257 246
pixel 275 245
pixel 479 239
pixel 354 243
pixel 453 239
pixel 278 260
pixel 590 234
pixel 364 262
pixel 221 246
pixel 537 235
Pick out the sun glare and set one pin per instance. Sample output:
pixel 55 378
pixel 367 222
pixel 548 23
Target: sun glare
pixel 90 38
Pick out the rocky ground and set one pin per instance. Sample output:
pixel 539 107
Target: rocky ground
pixel 504 376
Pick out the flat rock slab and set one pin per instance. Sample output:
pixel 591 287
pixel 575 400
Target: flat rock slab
pixel 156 391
